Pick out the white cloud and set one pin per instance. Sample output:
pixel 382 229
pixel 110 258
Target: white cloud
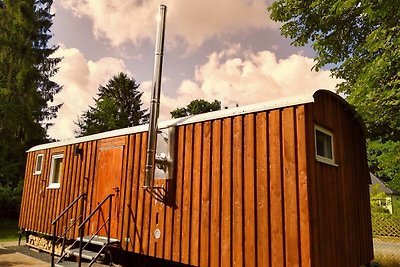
pixel 81 79
pixel 234 76
pixel 190 21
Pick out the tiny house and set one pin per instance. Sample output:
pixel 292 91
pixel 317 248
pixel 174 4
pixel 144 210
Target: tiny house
pixel 281 183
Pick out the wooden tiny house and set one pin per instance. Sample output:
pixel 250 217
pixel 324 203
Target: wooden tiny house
pixel 283 183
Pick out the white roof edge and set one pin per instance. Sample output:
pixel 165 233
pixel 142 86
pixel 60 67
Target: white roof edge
pixel 274 104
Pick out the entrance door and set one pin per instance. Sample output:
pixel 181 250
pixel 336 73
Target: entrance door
pixel 108 181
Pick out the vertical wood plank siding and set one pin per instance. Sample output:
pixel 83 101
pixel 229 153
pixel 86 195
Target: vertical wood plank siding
pixel 339 195
pixel 247 192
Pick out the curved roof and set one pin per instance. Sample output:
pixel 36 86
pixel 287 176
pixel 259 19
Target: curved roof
pixel 269 105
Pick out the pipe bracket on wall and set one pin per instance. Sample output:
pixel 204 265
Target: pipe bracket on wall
pixel 165 153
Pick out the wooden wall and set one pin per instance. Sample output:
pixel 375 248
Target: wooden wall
pixel 40 206
pixel 339 195
pixel 247 192
pixel 240 197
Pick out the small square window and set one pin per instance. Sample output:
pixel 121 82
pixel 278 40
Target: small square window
pixel 56 170
pixel 39 163
pixel 324 145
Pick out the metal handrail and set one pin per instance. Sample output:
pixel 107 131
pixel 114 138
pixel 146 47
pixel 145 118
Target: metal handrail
pixel 54 224
pixel 81 227
pixel 95 210
pixel 68 228
pixel 67 208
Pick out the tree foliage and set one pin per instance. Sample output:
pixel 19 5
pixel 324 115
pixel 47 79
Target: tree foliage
pixel 118 106
pixel 361 40
pixel 26 89
pixel 197 106
pixel 376 196
pixel 384 161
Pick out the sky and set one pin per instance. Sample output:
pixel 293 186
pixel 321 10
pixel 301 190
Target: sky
pixel 229 50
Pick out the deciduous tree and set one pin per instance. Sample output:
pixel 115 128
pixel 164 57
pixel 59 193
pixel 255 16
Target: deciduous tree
pixel 197 106
pixel 360 40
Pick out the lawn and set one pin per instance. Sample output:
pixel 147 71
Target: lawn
pixel 8 230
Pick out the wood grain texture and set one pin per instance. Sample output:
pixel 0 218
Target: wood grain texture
pixel 249 190
pixel 226 194
pixel 215 216
pixel 205 196
pixel 263 193
pixel 276 189
pixel 196 194
pixel 237 192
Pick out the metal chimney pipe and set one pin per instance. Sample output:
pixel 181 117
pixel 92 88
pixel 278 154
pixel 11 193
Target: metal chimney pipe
pixel 155 97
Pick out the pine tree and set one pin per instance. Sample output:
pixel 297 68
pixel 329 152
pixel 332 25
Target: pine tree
pixel 118 106
pixel 26 90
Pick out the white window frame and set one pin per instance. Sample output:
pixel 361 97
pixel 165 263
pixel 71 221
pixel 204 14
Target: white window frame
pixel 37 172
pixel 53 185
pixel 319 158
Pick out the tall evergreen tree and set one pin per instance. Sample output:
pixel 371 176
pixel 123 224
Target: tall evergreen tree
pixel 26 90
pixel 118 106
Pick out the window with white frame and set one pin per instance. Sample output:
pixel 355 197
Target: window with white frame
pixel 324 145
pixel 39 164
pixel 56 170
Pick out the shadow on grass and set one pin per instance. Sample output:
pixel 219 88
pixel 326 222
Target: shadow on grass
pixel 8 229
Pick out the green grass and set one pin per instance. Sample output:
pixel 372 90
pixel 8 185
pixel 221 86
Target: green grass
pixel 9 230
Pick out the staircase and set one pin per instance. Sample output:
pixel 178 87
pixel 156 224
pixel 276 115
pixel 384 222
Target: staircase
pixel 93 247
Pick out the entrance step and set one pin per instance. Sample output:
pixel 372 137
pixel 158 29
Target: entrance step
pixel 98 240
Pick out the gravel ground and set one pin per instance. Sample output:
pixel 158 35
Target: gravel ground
pixel 12 255
pixel 43 256
pixel 19 256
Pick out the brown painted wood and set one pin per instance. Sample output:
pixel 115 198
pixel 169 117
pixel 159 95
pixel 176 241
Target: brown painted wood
pixel 237 190
pixel 247 191
pixel 226 194
pixel 122 191
pixel 205 196
pixel 187 195
pixel 304 226
pixel 127 195
pixel 196 193
pixel 169 220
pixel 176 239
pixel 134 202
pixel 291 217
pixel 108 181
pixel 262 186
pixel 215 215
pixel 138 242
pixel 276 190
pixel 249 214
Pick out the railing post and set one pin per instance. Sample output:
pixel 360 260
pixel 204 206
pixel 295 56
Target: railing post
pixel 80 246
pixel 81 230
pixel 109 220
pixel 53 247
